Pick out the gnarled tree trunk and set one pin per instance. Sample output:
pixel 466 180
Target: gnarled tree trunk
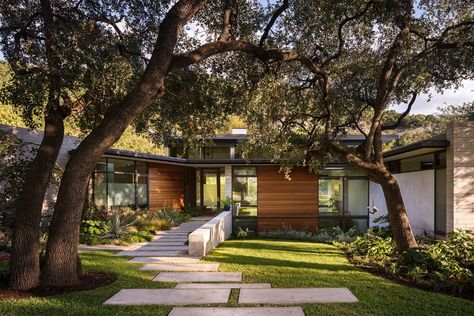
pixel 25 261
pixel 397 214
pixel 60 266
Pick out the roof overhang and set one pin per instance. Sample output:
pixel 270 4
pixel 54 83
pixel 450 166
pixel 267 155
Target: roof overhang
pixel 416 149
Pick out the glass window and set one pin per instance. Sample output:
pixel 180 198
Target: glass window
pixel 334 171
pixel 120 182
pixel 209 187
pixel 331 196
pixel 244 191
pixel 120 165
pixel 100 190
pixel 101 165
pixel 142 191
pixel 357 197
pixel 217 153
pixel 198 186
pixel 245 171
pixel 417 163
pixel 121 190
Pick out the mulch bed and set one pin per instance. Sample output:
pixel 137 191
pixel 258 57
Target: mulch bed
pixel 89 281
pixel 467 294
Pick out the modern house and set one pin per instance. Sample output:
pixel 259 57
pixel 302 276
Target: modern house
pixel 436 178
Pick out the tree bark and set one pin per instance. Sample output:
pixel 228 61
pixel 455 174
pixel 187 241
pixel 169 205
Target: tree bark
pixel 397 214
pixel 60 266
pixel 25 261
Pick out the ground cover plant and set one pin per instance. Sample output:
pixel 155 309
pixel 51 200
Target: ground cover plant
pixel 437 265
pixel 126 226
pixel 281 263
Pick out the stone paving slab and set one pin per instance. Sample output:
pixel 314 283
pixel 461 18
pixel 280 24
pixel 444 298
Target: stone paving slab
pixel 180 267
pixel 154 247
pixel 199 277
pixel 158 259
pixel 237 311
pixel 201 219
pixel 168 297
pixel 170 238
pixel 296 296
pixel 223 286
pixel 139 253
pixel 166 243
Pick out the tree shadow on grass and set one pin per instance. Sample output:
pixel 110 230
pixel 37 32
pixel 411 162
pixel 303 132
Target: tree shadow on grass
pixel 262 261
pixel 289 247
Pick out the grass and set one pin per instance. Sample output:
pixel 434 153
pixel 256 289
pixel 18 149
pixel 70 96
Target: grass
pixel 281 263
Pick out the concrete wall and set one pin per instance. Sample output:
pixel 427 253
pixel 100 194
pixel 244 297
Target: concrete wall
pixel 418 193
pixel 460 176
pixel 211 234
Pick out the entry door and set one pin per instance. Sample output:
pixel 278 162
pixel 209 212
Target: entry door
pixel 210 188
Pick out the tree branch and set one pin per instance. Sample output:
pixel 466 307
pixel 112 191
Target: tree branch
pixel 226 35
pixel 272 21
pixel 402 116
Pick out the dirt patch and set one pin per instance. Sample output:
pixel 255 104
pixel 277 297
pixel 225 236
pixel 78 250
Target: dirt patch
pixel 89 281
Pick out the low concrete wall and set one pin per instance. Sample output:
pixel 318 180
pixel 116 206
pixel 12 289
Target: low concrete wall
pixel 211 234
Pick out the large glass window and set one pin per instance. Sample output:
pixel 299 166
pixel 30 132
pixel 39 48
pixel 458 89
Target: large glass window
pixel 216 153
pixel 120 183
pixel 244 190
pixel 343 201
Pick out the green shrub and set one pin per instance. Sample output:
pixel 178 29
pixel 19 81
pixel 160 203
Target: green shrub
pixel 442 265
pixel 119 223
pixel 244 233
pixel 326 235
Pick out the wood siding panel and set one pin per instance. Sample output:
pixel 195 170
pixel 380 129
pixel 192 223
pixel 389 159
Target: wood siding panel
pixel 283 202
pixel 166 186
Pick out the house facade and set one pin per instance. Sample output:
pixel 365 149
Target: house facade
pixel 436 177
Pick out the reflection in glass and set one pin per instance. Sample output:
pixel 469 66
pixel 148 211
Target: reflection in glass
pixel 331 196
pixel 357 197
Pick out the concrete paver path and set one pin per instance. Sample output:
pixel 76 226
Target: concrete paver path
pixel 180 267
pixel 296 296
pixel 168 297
pixel 236 311
pixel 199 277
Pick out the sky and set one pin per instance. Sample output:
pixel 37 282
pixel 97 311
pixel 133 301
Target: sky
pixel 448 97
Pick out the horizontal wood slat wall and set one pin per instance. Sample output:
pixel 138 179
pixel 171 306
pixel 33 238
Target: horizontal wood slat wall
pixel 166 186
pixel 283 202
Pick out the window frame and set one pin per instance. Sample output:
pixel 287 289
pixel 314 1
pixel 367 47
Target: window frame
pixel 135 174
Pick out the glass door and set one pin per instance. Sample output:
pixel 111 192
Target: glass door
pixel 209 189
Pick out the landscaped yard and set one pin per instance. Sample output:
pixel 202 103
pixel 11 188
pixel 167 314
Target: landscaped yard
pixel 282 263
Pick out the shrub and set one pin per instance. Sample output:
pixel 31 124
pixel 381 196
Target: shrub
pixel 244 233
pixel 326 235
pixel 119 223
pixel 442 265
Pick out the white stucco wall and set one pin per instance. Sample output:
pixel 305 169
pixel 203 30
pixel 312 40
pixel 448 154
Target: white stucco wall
pixel 211 234
pixel 418 194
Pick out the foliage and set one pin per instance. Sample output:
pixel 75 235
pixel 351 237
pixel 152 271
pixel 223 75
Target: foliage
pixel 244 233
pixel 15 159
pixel 139 236
pixel 325 235
pixel 119 223
pixel 442 265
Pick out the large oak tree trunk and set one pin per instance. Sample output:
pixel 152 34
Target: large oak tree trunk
pixel 25 261
pixel 397 214
pixel 60 266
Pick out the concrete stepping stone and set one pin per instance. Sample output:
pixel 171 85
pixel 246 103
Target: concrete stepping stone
pixel 144 253
pixel 168 297
pixel 154 247
pixel 296 296
pixel 223 286
pixel 199 277
pixel 237 311
pixel 170 238
pixel 166 243
pixel 180 267
pixel 158 259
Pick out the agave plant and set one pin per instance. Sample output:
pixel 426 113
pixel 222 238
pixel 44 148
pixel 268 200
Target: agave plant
pixel 119 223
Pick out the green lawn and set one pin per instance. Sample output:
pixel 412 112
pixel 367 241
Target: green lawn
pixel 282 263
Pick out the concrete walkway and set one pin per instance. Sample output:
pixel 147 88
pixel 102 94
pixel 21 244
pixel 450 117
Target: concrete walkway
pixel 202 283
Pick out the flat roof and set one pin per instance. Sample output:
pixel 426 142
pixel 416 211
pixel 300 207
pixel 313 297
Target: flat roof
pixel 434 144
